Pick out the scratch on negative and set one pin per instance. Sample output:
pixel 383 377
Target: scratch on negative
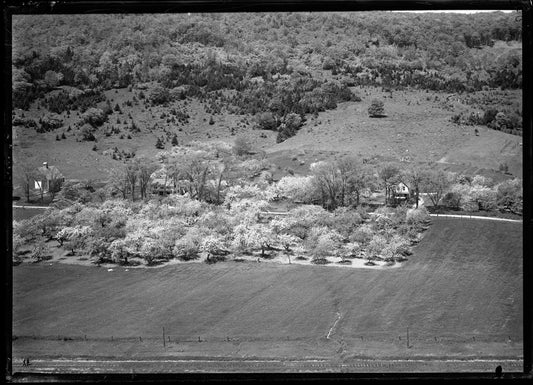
pixel 334 323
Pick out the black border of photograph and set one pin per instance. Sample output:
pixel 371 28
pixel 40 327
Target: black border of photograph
pixel 11 8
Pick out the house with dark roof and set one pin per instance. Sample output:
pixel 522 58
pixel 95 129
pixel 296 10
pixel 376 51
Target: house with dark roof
pixel 401 192
pixel 46 176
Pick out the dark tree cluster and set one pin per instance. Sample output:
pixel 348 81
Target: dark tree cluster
pixel 62 101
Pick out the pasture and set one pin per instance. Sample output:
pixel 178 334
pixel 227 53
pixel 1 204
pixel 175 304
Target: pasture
pixel 417 128
pixel 459 295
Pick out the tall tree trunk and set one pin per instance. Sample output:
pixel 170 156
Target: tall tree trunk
pixel 218 189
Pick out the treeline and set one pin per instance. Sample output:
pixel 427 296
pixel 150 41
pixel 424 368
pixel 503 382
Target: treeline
pixel 214 199
pixel 507 121
pixel 63 101
pixel 208 171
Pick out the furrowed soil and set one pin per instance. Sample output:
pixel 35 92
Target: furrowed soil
pixel 459 296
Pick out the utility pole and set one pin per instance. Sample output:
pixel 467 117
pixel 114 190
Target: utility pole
pixel 164 343
pixel 408 346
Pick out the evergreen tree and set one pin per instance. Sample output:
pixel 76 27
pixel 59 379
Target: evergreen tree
pixel 174 140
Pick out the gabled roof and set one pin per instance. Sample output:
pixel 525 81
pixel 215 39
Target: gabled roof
pixel 50 172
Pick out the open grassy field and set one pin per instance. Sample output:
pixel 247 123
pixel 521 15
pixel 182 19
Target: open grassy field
pixel 460 295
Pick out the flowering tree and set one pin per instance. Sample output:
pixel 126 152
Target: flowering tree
pixel 322 241
pixel 249 237
pixel 74 238
pixel 189 246
pixel 294 188
pixel 509 195
pixel 119 253
pixel 376 245
pixel 287 241
pixel 212 245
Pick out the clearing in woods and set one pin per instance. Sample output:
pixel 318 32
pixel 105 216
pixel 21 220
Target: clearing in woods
pixel 460 295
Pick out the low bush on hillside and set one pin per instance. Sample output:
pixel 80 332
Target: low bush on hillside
pixel 49 123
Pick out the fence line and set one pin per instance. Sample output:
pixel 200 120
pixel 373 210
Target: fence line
pixel 475 217
pixel 409 336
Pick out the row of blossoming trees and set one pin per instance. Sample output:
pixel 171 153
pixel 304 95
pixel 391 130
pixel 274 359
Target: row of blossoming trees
pixel 215 203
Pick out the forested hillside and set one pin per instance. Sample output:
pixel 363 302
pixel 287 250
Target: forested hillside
pixel 277 64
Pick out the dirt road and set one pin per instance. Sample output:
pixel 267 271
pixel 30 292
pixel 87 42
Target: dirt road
pixel 218 365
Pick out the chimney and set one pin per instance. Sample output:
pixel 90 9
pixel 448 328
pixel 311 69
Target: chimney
pixel 45 164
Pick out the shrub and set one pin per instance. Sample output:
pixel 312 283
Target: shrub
pixel 362 234
pixel 50 123
pixel 94 116
pixel 452 199
pixel 320 261
pixel 159 144
pixel 503 167
pixel 159 95
pixel 417 216
pixel 328 64
pixel 266 121
pixel 488 116
pixel 289 126
pixel 217 258
pixel 87 133
pixel 242 146
pixel 376 108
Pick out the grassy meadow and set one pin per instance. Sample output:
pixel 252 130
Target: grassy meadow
pixel 413 120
